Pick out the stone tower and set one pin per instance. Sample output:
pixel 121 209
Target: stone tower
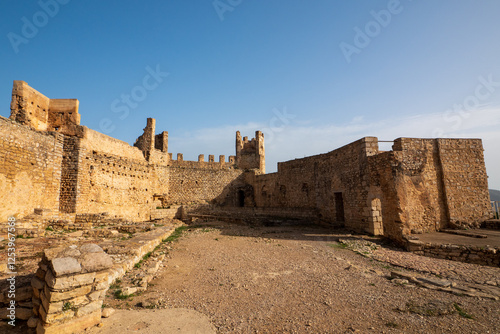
pixel 250 154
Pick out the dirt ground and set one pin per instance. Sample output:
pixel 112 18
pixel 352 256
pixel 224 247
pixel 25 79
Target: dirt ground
pixel 297 279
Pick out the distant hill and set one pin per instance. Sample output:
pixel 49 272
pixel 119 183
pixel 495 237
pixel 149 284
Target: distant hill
pixel 495 195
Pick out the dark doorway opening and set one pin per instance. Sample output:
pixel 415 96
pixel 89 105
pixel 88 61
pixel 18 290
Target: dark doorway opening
pixel 339 207
pixel 241 198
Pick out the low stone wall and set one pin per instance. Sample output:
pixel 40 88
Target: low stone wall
pixel 170 212
pixel 253 213
pixel 69 288
pixel 489 256
pixel 491 224
pixel 126 254
pixel 66 293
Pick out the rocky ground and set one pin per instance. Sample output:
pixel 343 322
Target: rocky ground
pixel 309 280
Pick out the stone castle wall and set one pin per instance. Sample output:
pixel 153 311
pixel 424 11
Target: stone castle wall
pixel 30 169
pixel 465 181
pixel 326 182
pixel 421 185
pixel 76 170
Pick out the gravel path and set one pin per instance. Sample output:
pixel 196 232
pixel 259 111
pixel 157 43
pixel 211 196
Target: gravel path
pixel 300 280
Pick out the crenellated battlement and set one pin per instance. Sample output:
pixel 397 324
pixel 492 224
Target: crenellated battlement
pixel 202 164
pixel 250 154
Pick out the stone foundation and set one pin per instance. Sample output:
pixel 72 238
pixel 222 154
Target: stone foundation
pixel 69 288
pixel 489 256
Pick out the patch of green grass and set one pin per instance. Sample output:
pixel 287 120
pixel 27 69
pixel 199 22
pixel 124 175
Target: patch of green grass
pixel 176 234
pixel 338 245
pixel 146 256
pixel 48 228
pixel 392 324
pixel 461 312
pixel 69 306
pixel 115 285
pixel 119 295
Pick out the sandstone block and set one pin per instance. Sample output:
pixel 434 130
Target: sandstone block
pixel 54 296
pixel 129 290
pixel 32 322
pixel 78 301
pixel 107 312
pixel 37 283
pixel 89 308
pixel 96 295
pixel 92 262
pixel 69 281
pixel 36 293
pixel 49 307
pixel 55 317
pixel 91 248
pixel 65 265
pixel 75 325
pixel 40 273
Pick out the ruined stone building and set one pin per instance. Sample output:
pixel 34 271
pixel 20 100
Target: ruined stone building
pixel 49 161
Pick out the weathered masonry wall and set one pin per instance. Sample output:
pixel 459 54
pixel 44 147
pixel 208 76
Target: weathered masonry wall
pixel 113 177
pixel 335 184
pixel 29 107
pixel 430 184
pixel 422 185
pixel 49 161
pixel 465 180
pixel 410 179
pixel 32 108
pixel 201 185
pixel 30 169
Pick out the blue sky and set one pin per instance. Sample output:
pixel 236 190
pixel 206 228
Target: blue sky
pixel 419 69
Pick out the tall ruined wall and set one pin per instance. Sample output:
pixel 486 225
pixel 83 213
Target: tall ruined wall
pixel 427 183
pixel 29 107
pixel 32 108
pixel 465 181
pixel 30 169
pixel 113 177
pixel 418 180
pixel 331 183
